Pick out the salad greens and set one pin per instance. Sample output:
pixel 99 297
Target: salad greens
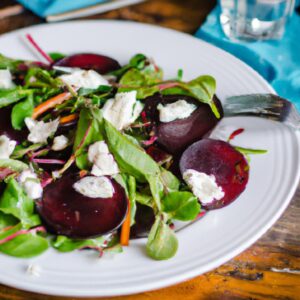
pixel 71 117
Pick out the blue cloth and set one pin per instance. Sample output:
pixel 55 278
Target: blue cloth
pixel 44 8
pixel 277 61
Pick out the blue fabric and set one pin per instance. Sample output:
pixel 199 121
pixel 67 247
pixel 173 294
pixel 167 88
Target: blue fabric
pixel 44 8
pixel 277 61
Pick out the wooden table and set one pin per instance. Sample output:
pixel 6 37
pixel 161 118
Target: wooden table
pixel 270 269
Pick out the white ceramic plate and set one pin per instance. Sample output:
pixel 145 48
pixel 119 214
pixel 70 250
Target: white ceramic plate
pixel 221 234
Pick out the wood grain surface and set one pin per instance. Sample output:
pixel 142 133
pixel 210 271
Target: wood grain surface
pixel 270 269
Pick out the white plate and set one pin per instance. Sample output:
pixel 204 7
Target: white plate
pixel 221 234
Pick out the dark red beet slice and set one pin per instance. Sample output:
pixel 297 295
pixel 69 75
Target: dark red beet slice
pixel 175 136
pixel 100 63
pixel 6 127
pixel 157 154
pixel 67 212
pixel 220 159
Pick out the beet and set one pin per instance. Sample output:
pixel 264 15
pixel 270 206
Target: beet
pixel 158 154
pixel 220 159
pixel 6 127
pixel 175 136
pixel 67 212
pixel 100 63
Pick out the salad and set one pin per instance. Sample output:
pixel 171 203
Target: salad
pixel 93 154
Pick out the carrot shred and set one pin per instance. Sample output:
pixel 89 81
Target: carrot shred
pixel 50 103
pixel 125 229
pixel 69 118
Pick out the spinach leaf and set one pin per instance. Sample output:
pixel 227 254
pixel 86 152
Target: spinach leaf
pixel 65 244
pixel 25 246
pixel 131 182
pixel 182 206
pixel 7 220
pixel 89 130
pixel 14 201
pixel 9 63
pixel 136 80
pixel 130 158
pixel 201 88
pixel 156 188
pixel 10 96
pixel 162 242
pixel 56 55
pixel 14 165
pixel 21 111
pixel 169 180
pixel 102 89
pixel 144 199
pixel 21 150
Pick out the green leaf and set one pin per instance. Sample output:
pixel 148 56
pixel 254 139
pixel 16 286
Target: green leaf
pixel 169 180
pixel 25 246
pixel 21 150
pixel 89 129
pixel 9 63
pixel 65 244
pixel 14 201
pixel 203 88
pixel 56 55
pixel 144 199
pixel 156 188
pixel 102 89
pixel 7 220
pixel 182 206
pixel 21 111
pixel 162 242
pixel 246 151
pixel 14 165
pixel 130 158
pixel 10 96
pixel 131 182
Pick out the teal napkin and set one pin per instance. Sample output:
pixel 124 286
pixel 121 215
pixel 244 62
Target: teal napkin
pixel 44 8
pixel 277 61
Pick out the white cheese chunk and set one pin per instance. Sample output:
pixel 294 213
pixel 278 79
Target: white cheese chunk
pixel 222 133
pixel 94 187
pixel 123 110
pixel 89 79
pixel 7 147
pixel 102 159
pixel 176 110
pixel 39 130
pixel 6 81
pixel 204 186
pixel 59 143
pixel 31 184
pixel 34 270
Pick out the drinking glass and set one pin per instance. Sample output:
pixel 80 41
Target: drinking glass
pixel 255 19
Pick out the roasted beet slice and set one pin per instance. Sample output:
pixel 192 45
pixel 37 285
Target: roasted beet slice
pixel 159 155
pixel 175 136
pixel 6 127
pixel 100 63
pixel 67 212
pixel 220 159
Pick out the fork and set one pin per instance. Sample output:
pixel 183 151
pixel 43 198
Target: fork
pixel 268 106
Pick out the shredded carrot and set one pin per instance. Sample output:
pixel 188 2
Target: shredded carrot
pixel 125 229
pixel 68 118
pixel 82 173
pixel 50 103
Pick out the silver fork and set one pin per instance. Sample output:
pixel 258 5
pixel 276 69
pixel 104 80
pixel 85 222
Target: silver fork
pixel 263 105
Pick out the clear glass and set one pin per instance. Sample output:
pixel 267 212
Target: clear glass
pixel 255 19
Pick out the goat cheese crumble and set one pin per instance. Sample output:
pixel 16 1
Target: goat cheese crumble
pixel 94 187
pixel 102 159
pixel 39 130
pixel 89 79
pixel 204 186
pixel 7 147
pixel 59 143
pixel 31 184
pixel 123 110
pixel 6 81
pixel 176 110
